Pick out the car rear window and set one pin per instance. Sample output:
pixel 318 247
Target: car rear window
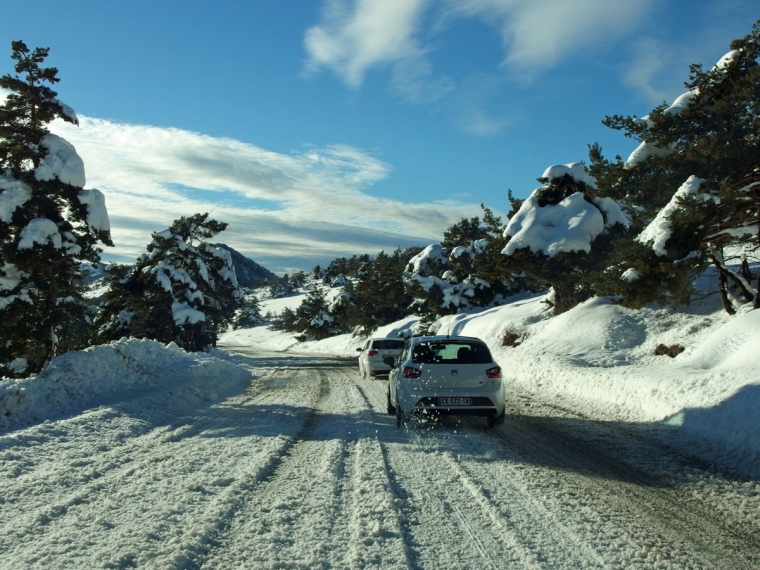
pixel 451 352
pixel 388 344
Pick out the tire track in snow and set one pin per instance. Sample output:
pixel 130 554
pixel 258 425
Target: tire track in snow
pixel 328 503
pixel 526 518
pixel 159 474
pixel 628 518
pixel 446 527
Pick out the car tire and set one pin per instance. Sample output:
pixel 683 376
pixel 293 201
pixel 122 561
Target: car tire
pixel 494 421
pixel 391 409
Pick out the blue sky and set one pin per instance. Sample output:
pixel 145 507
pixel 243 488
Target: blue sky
pixel 325 128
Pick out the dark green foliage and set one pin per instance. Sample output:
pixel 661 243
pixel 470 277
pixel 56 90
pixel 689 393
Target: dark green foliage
pixel 378 297
pixel 248 315
pixel 347 267
pixel 714 137
pixel 372 297
pixel 285 321
pixel 183 290
pixel 42 312
pixel 313 319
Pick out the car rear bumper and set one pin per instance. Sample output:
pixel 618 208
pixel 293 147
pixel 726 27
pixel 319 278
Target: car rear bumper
pixel 378 368
pixel 485 402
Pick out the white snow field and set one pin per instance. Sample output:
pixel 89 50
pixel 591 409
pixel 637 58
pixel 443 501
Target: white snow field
pixel 136 454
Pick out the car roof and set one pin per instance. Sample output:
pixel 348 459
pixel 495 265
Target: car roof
pixel 419 339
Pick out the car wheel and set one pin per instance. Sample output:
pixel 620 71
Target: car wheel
pixel 391 409
pixel 496 420
pixel 363 372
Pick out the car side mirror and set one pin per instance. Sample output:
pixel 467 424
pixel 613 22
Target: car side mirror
pixel 359 349
pixel 390 361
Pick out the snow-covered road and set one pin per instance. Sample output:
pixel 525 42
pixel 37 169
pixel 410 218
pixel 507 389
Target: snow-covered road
pixel 302 468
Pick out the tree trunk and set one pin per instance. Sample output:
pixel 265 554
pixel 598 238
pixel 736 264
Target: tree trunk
pixel 723 288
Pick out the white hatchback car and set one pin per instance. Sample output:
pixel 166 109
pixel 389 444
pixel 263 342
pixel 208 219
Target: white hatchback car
pixel 448 375
pixel 374 351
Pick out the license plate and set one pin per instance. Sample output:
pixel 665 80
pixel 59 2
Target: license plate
pixel 454 401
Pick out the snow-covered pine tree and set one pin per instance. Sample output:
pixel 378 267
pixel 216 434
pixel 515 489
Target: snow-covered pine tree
pixel 182 290
pixel 314 319
pixel 562 234
pixel 464 271
pixel 248 315
pixel 48 222
pixel 704 152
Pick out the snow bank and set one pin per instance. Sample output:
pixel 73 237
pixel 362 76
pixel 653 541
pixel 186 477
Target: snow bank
pixel 104 374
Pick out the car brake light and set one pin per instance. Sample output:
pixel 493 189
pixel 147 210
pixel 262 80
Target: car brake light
pixel 410 372
pixel 371 353
pixel 494 372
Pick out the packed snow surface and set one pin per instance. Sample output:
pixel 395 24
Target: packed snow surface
pixel 599 360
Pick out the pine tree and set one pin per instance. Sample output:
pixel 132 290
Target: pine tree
pixel 249 313
pixel 379 296
pixel 48 222
pixel 709 134
pixel 182 290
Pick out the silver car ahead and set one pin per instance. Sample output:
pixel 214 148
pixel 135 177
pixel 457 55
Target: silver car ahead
pixel 448 375
pixel 374 351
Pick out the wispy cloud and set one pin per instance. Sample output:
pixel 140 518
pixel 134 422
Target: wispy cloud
pixel 291 210
pixel 355 37
pixel 538 34
pixel 643 72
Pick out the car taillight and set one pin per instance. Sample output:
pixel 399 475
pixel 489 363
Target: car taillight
pixel 410 372
pixel 371 353
pixel 494 372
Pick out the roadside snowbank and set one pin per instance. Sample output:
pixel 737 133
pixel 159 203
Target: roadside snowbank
pixel 599 361
pixel 104 374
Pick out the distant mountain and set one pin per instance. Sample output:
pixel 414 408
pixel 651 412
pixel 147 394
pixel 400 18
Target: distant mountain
pixel 248 271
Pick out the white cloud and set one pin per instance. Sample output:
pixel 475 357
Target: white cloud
pixel 650 59
pixel 537 34
pixel 357 35
pixel 294 210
